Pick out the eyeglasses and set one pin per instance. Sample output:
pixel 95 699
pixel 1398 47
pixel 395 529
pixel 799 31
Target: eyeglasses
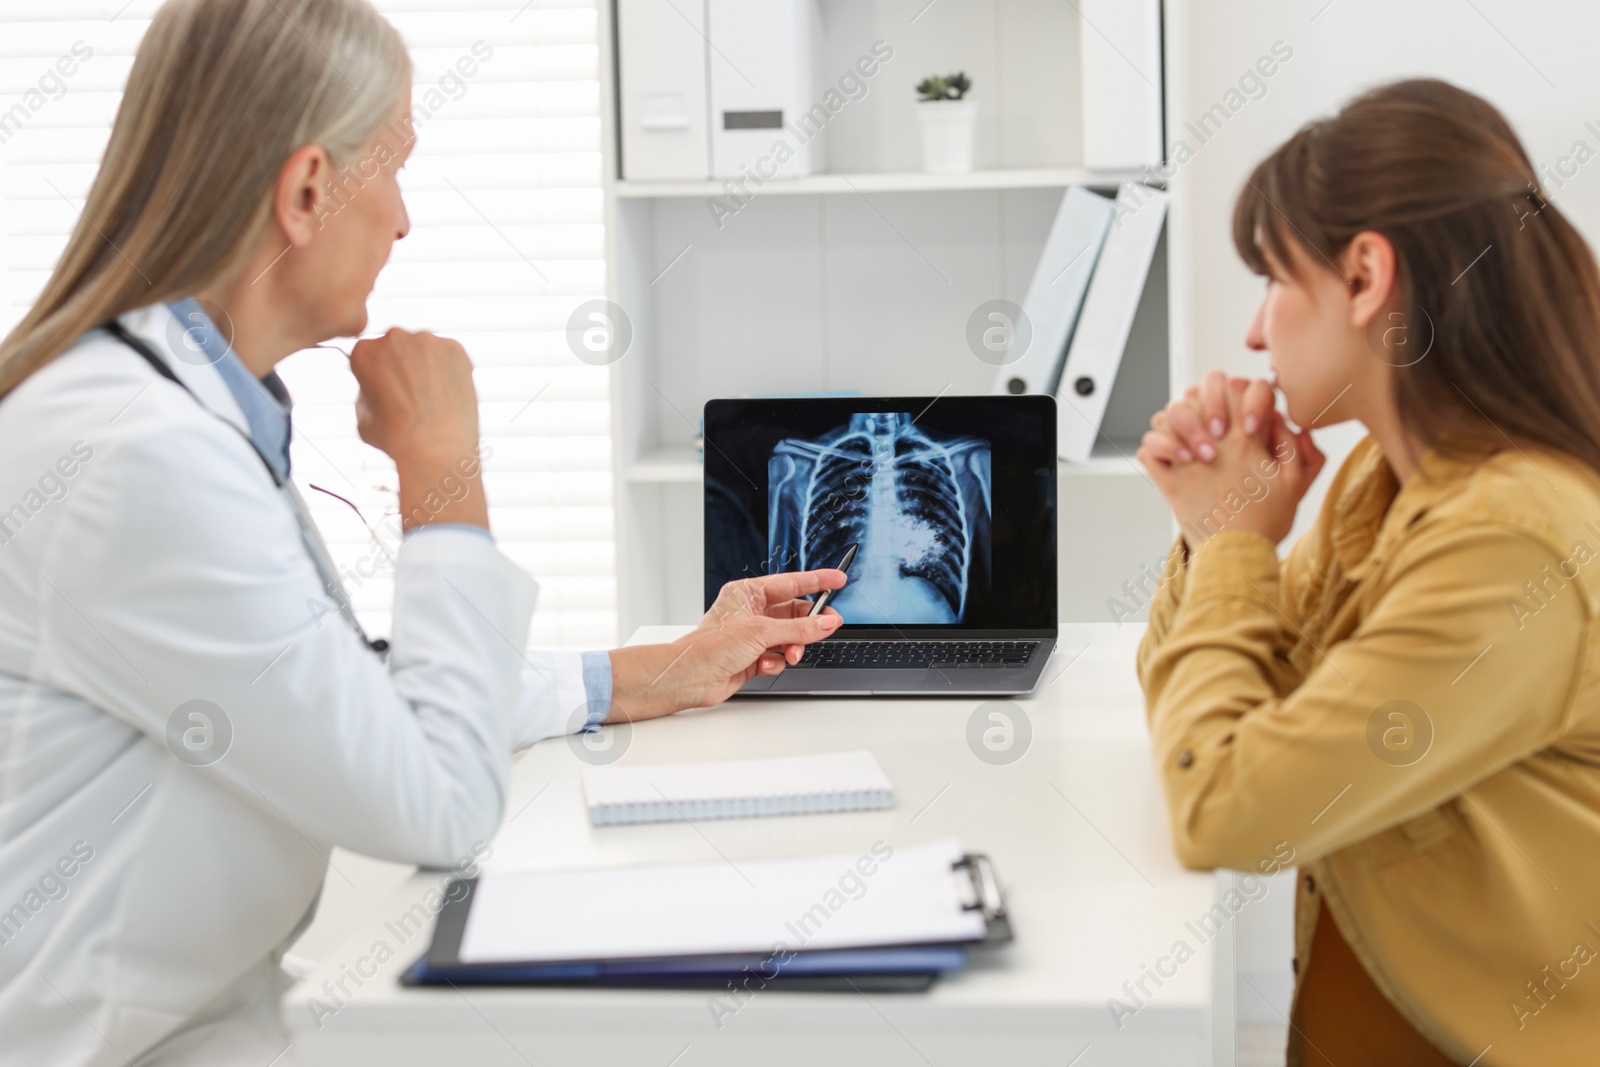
pixel 347 502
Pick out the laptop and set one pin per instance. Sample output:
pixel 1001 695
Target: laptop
pixel 949 503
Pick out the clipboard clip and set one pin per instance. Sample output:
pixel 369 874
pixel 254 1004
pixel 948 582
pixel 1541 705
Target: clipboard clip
pixel 988 897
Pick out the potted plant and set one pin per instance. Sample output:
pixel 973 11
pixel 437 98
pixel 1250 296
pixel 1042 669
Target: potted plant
pixel 949 122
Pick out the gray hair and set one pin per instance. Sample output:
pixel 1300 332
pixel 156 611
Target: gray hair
pixel 221 93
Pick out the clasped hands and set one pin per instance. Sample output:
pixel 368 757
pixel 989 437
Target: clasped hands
pixel 1226 459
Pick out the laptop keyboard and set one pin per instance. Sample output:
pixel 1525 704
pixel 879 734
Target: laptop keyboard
pixel 900 654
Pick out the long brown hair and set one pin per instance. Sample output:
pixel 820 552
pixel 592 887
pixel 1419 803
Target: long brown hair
pixel 1496 286
pixel 220 94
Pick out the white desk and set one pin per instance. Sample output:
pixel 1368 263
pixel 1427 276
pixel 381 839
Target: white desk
pixel 1075 826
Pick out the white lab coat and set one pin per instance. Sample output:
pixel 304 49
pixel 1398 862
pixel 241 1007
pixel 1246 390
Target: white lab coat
pixel 146 562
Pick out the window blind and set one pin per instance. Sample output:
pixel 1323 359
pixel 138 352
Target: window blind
pixel 507 239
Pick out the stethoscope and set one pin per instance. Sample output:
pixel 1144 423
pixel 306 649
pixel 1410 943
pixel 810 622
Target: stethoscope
pixel 315 547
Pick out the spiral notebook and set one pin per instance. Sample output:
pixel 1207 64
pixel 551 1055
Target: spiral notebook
pixel 735 789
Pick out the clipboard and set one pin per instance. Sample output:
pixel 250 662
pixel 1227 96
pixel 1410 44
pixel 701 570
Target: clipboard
pixel 894 963
pixel 988 896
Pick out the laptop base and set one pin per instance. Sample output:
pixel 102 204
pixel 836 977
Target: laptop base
pixel 963 680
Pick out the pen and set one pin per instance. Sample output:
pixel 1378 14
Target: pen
pixel 827 594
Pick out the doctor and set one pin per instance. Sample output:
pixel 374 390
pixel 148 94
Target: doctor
pixel 189 718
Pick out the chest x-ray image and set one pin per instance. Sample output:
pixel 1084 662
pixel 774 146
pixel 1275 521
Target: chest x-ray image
pixel 918 503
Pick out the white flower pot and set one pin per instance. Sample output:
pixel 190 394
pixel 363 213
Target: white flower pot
pixel 949 128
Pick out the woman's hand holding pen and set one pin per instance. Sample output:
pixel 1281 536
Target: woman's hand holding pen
pixel 756 626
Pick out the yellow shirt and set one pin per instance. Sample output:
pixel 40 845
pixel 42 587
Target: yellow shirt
pixel 1411 701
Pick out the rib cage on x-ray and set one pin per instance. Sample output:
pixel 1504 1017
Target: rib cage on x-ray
pixel 918 506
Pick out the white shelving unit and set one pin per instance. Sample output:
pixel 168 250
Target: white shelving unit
pixel 908 182
pixel 863 278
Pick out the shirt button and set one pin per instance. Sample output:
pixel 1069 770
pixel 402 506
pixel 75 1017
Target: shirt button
pixel 1311 884
pixel 1185 759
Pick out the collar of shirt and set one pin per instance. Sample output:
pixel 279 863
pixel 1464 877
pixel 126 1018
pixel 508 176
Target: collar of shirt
pixel 264 401
pixel 1375 508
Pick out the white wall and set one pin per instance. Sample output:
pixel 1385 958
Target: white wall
pixel 1532 58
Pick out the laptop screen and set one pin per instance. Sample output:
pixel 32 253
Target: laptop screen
pixel 950 500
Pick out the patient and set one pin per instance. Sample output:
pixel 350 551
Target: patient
pixel 1407 700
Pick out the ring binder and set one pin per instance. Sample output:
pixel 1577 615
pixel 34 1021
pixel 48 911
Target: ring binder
pixel 989 898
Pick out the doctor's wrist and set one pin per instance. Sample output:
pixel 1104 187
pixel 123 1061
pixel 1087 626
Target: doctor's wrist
pixel 439 486
pixel 642 683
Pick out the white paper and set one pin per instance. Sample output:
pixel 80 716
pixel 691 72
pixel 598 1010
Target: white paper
pixel 886 896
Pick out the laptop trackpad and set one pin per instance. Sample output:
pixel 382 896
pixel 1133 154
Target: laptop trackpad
pixel 760 683
pixel 851 680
